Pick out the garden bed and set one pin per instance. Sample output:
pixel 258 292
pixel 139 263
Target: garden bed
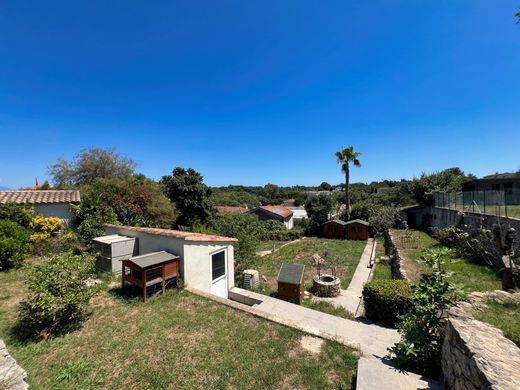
pixel 468 276
pixel 177 340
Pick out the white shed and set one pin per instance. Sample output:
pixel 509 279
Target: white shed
pixel 206 261
pixel 49 203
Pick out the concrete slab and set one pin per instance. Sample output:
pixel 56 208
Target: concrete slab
pixel 376 374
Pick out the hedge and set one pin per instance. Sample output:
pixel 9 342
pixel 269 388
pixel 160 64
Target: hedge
pixel 385 300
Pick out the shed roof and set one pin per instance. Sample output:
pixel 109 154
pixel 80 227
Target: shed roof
pixel 231 209
pixel 40 196
pixel 113 238
pixel 360 221
pixel 291 273
pixel 187 236
pixel 151 259
pixel 338 221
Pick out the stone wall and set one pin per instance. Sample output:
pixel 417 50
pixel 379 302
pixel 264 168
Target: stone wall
pixel 396 258
pixel 476 355
pixel 12 376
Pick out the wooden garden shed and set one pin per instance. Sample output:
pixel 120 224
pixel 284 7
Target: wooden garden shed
pixel 290 283
pixel 151 273
pixel 336 229
pixel 357 229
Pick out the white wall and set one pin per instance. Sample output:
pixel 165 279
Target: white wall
pixel 289 223
pixel 60 210
pixel 195 257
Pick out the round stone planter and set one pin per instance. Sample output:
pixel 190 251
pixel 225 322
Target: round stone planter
pixel 326 286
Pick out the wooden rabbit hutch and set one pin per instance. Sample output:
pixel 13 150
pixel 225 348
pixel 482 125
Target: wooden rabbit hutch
pixel 151 273
pixel 290 283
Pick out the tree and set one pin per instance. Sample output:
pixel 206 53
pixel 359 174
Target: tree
pixel 186 189
pixel 518 16
pixel 318 210
pixel 345 157
pixel 136 201
pixel 89 165
pixel 324 186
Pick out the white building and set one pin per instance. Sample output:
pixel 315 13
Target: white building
pixel 49 203
pixel 206 261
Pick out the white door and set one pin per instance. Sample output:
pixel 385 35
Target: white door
pixel 219 274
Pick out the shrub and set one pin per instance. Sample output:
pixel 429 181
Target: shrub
pixel 58 295
pixel 422 329
pixel 21 214
pixel 385 300
pixel 44 227
pixel 13 244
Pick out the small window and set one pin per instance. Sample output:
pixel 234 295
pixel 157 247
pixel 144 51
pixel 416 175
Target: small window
pixel 218 265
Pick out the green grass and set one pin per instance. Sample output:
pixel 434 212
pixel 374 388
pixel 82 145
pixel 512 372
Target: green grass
pixel 328 308
pixel 503 315
pixel 343 254
pixel 382 270
pixel 268 245
pixel 465 275
pixel 175 341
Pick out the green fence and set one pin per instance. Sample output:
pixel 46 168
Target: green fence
pixel 502 203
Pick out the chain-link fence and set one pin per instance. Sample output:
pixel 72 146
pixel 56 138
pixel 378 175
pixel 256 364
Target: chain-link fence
pixel 502 203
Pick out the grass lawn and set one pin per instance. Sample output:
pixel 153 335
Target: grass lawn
pixel 328 308
pixel 468 276
pixel 268 245
pixel 344 254
pixel 503 315
pixel 382 270
pixel 175 341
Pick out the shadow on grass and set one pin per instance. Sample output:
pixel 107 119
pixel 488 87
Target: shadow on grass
pixel 127 295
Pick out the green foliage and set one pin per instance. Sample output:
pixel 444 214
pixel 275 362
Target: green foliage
pixel 385 300
pixel 135 201
pixel 243 227
pixel 89 165
pixel 186 189
pixel 318 210
pixel 503 314
pixel 382 218
pixel 235 198
pixel 18 213
pixel 422 329
pixel 478 245
pixel 324 186
pixel 58 295
pixel 13 244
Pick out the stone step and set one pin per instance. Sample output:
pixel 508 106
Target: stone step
pixel 377 374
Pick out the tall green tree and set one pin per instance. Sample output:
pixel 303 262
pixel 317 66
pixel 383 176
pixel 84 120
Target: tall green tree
pixel 89 165
pixel 186 189
pixel 345 157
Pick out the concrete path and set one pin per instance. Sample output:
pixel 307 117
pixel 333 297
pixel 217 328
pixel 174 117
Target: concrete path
pixel 371 340
pixel 377 374
pixel 351 298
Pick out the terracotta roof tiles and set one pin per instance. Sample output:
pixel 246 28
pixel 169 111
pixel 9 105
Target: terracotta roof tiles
pixel 40 197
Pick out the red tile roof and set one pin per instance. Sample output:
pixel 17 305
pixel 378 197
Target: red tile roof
pixel 187 236
pixel 277 210
pixel 231 209
pixel 40 197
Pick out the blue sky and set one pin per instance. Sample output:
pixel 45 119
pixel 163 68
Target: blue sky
pixel 251 92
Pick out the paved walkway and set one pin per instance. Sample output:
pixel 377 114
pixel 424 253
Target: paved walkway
pixel 351 298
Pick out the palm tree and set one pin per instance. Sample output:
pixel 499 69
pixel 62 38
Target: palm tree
pixel 345 157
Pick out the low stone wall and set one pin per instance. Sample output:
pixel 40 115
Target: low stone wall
pixel 398 271
pixel 12 376
pixel 476 355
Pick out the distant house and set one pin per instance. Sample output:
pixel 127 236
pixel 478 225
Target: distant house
pixel 278 213
pixel 299 212
pixel 49 203
pixel 415 216
pixel 506 182
pixel 356 229
pixel 231 209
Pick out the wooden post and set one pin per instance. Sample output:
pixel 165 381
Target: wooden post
pixel 163 277
pixel 123 276
pixel 144 285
